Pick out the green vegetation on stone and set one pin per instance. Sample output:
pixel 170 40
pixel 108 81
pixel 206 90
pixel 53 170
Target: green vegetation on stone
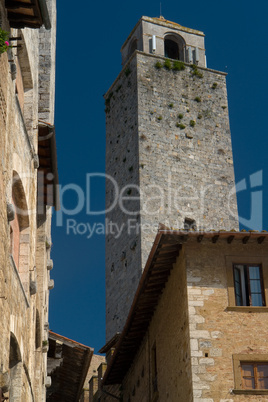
pixel 196 72
pixel 178 65
pixel 158 65
pixel 180 125
pixel 167 64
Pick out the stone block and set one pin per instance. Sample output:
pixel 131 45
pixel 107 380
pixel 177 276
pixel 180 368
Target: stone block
pixel 215 352
pixel 200 334
pixel 207 361
pixel 194 344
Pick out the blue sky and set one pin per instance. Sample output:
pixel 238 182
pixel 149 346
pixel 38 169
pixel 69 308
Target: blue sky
pixel 89 38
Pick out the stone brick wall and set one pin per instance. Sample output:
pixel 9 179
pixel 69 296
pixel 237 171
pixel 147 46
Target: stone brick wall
pixel 20 302
pixel 47 58
pixel 217 334
pixel 92 371
pixel 197 333
pixel 169 334
pixel 192 166
pixel 122 246
pixel 167 133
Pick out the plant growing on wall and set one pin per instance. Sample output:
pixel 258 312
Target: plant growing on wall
pixel 196 72
pixel 167 64
pixel 178 65
pixel 4 43
pixel 158 65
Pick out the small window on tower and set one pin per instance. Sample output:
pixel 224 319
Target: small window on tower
pixel 174 47
pixel 171 49
pixel 248 285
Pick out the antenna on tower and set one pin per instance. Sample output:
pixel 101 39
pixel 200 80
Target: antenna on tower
pixel 161 16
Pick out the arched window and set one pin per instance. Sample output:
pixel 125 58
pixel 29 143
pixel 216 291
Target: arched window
pixel 15 236
pixel 133 46
pixel 171 49
pixel 19 231
pixel 16 372
pixel 174 47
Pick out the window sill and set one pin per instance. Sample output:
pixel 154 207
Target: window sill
pixel 247 309
pixel 250 391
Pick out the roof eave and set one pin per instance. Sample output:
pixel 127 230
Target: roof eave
pixel 19 16
pixel 45 14
pixel 54 164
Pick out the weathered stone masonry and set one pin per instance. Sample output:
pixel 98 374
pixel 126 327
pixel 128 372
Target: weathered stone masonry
pixel 168 133
pixel 218 331
pixel 25 239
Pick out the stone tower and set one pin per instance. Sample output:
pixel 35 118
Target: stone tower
pixel 169 152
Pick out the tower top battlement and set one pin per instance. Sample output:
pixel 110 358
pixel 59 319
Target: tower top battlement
pixel 165 38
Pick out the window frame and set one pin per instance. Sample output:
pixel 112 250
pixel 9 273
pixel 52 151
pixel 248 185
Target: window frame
pixel 179 41
pixel 243 259
pixel 255 373
pixel 238 360
pixel 245 285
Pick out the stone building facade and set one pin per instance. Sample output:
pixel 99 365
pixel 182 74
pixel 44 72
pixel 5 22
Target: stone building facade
pixel 169 152
pixel 28 190
pixel 91 382
pixel 189 336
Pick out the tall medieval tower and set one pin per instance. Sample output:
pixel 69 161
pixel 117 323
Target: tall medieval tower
pixel 169 152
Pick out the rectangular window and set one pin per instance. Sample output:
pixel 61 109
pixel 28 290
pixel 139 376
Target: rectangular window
pixel 254 375
pixel 248 285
